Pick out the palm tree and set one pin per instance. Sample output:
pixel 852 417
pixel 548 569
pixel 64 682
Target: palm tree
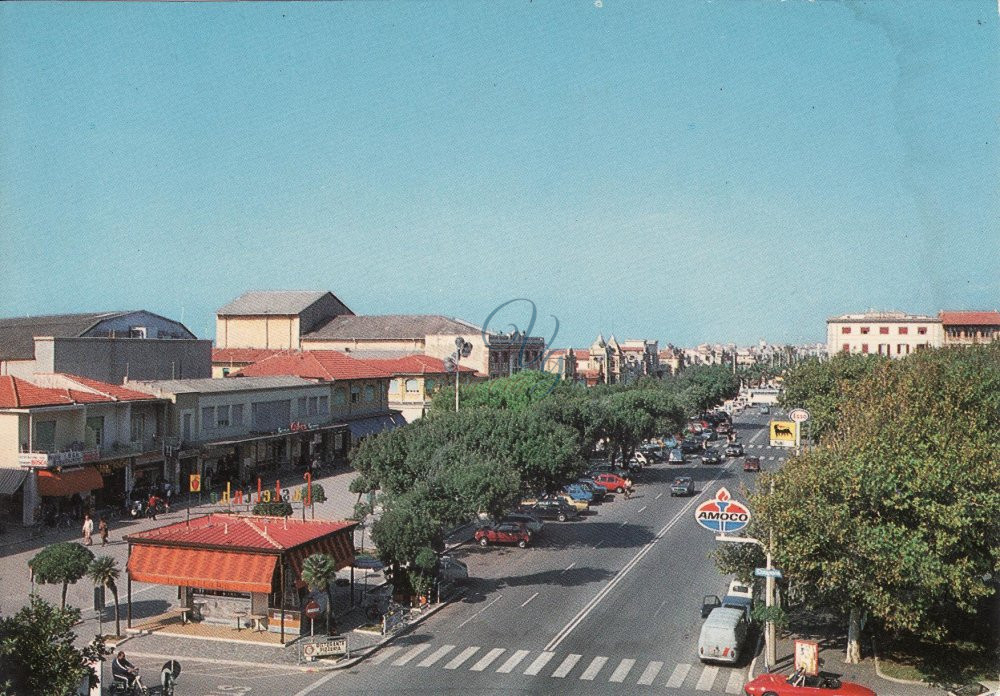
pixel 104 570
pixel 318 572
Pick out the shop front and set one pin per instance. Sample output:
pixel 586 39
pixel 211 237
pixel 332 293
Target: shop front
pixel 65 491
pixel 114 473
pixel 12 494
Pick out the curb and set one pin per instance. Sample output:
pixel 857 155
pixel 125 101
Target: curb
pixel 895 680
pixel 753 662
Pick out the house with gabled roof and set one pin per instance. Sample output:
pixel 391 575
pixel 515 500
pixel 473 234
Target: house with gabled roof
pixel 274 319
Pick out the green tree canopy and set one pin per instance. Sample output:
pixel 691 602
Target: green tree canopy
pixel 104 571
pixel 318 572
pixel 61 563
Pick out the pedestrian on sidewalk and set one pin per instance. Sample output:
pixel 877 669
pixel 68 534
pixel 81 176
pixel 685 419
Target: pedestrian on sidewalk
pixel 167 495
pixel 88 529
pixel 151 505
pixel 102 529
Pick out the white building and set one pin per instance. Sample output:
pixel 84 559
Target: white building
pixel 893 334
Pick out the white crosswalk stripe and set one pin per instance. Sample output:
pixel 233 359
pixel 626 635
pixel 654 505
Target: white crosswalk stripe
pixel 595 666
pixel 457 661
pixel 707 679
pixel 678 675
pixel 540 661
pixel 650 673
pixel 410 655
pixel 512 662
pixel 435 656
pixel 487 659
pixel 567 664
pixel 621 671
pixel 385 653
pixel 735 685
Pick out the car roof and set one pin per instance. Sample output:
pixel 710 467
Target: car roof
pixel 724 617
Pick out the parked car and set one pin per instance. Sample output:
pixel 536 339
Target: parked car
pixel 709 435
pixel 734 449
pixel 738 588
pixel 577 492
pixel 611 482
pixel 711 456
pixel 723 428
pixel 765 410
pixel 669 442
pixel 531 523
pixel 550 510
pixel 708 603
pixel 642 458
pixel 608 469
pixel 824 684
pixel 682 485
pixel 690 446
pixel 595 490
pixel 451 569
pixel 504 533
pixel 723 636
pixel 751 464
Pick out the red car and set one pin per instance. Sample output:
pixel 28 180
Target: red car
pixel 801 685
pixel 504 533
pixel 751 464
pixel 612 482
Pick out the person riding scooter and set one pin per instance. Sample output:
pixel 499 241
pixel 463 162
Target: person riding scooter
pixel 124 673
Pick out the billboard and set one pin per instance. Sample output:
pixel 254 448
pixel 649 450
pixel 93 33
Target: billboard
pixel 784 433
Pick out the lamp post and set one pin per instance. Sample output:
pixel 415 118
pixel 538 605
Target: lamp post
pixel 462 350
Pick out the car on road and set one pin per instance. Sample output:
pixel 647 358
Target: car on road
pixel 723 428
pixel 676 456
pixel 595 490
pixel 611 482
pixel 531 523
pixel 690 446
pixel 734 449
pixel 669 442
pixel 550 510
pixel 711 456
pixel 709 435
pixel 751 464
pixel 708 603
pixel 824 684
pixel 578 492
pixel 503 533
pixel 723 636
pixel 608 469
pixel 740 589
pixel 682 485
pixel 765 410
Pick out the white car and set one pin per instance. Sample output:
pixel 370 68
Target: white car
pixel 740 589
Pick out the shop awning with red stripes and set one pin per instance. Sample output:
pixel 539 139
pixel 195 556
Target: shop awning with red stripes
pixel 210 569
pixel 54 483
pixel 340 546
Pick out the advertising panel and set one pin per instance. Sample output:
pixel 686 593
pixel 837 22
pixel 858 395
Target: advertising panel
pixel 783 433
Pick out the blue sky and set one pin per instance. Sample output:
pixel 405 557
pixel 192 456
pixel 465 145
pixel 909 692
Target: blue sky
pixel 685 171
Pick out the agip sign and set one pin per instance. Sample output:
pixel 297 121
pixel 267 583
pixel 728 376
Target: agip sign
pixel 722 515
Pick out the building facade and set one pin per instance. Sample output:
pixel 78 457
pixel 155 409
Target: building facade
pixel 275 319
pixel 964 328
pixel 415 379
pixel 892 334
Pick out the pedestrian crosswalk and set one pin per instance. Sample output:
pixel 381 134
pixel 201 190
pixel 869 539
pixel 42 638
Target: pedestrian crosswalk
pixel 546 664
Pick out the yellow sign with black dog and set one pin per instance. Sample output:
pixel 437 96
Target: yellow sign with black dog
pixel 783 433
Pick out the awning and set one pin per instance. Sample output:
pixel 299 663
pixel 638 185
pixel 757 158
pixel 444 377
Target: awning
pixel 274 436
pixel 209 569
pixel 11 480
pixel 69 481
pixel 339 545
pixel 376 424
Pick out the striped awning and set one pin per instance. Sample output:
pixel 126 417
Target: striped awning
pixel 339 545
pixel 11 480
pixel 209 569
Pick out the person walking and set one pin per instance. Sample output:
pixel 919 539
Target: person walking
pixel 88 530
pixel 102 529
pixel 151 505
pixel 168 492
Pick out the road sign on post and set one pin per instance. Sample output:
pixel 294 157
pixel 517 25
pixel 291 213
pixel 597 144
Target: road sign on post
pixel 799 415
pixel 767 573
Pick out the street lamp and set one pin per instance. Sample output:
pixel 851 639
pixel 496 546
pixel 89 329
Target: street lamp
pixel 463 349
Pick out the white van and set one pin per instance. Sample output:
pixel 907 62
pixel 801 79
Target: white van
pixel 723 635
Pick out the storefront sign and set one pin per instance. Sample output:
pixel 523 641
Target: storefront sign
pixel 263 495
pixel 50 459
pixel 807 657
pixel 326 648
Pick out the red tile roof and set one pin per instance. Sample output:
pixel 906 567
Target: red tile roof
pixel 416 364
pixel 243 355
pixel 314 364
pixel 19 393
pixel 113 391
pixel 241 532
pixel 970 318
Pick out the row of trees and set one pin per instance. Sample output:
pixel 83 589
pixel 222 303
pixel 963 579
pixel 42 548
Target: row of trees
pixel 521 434
pixel 893 517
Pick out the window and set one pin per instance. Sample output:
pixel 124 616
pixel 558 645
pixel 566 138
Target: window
pixel 45 435
pixel 865 329
pixel 369 393
pixel 95 431
pixel 845 329
pixel 237 414
pixel 846 347
pixel 903 330
pixel 207 417
pixel 222 417
pixel 225 372
pixel 355 394
pixel 313 405
pixel 864 347
pixel 138 427
pixel 412 387
pixel 429 385
pixel 902 349
pixel 302 406
pixel 339 396
pixel 324 404
pixel 394 386
pixel 883 329
pixel 921 330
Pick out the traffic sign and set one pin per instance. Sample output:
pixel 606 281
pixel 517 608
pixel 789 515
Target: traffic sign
pixel 331 646
pixel 799 415
pixel 767 573
pixel 312 609
pixel 194 483
pixel 722 514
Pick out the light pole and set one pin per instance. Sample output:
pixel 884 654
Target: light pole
pixel 462 350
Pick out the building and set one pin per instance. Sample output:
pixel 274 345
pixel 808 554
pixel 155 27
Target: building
pixel 67 442
pixel 227 361
pixel 671 360
pixel 964 328
pixel 641 358
pixel 275 319
pixel 106 346
pixel 892 334
pixel 415 379
pixel 562 362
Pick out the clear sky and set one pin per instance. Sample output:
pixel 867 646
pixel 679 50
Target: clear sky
pixel 685 171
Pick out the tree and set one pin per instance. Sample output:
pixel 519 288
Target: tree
pixel 104 572
pixel 275 508
pixel 64 563
pixel 318 572
pixel 37 653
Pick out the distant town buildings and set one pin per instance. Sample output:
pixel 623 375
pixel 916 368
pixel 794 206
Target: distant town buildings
pixel 896 334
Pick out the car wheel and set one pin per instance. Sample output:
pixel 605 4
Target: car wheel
pixel 484 541
pixel 769 693
pixel 561 517
pixel 522 543
pixel 620 489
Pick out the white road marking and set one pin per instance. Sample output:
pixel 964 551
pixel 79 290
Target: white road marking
pixel 462 657
pixel 567 664
pixel 487 659
pixel 735 685
pixel 624 523
pixel 593 669
pixel 528 600
pixel 678 675
pixel 316 684
pixel 410 655
pixel 512 662
pixel 568 567
pixel 650 673
pixel 385 653
pixel 499 597
pixel 707 678
pixel 621 671
pixel 659 608
pixel 644 507
pixel 540 661
pixel 659 496
pixel 435 656
pixel 599 543
pixel 603 592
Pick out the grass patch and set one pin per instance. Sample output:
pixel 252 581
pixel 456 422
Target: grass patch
pixel 948 662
